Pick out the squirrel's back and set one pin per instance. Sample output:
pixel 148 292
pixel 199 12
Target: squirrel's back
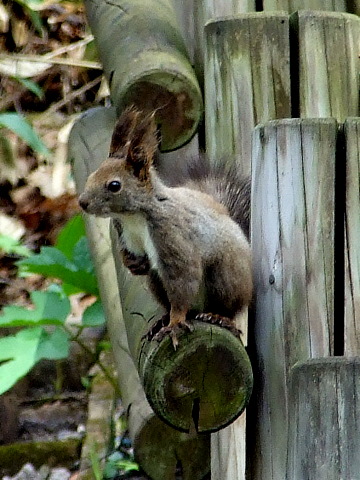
pixel 222 179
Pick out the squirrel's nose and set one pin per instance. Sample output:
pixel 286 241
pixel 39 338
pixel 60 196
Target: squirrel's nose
pixel 83 203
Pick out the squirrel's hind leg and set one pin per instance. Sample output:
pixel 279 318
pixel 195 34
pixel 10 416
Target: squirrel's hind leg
pixel 176 322
pixel 219 320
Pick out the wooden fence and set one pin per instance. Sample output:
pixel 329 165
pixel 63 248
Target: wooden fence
pixel 281 94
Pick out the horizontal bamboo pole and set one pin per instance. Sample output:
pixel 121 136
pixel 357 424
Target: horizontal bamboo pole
pixel 204 385
pixel 158 447
pixel 146 63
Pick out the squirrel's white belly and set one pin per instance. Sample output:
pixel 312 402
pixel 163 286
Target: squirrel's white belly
pixel 136 236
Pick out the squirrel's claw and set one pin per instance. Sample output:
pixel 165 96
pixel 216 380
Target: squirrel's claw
pixel 162 329
pixel 156 327
pixel 219 320
pixel 172 331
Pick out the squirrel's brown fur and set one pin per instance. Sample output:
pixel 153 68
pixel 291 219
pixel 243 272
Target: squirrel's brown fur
pixel 196 257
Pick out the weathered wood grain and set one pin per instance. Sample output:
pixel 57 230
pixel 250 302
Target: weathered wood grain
pixel 247 75
pixel 210 10
pixel 223 8
pixel 228 451
pixel 324 432
pixel 352 238
pixel 146 63
pixel 158 447
pixel 293 252
pixel 204 385
pixel 186 20
pixel 228 446
pixel 247 80
pixel 292 6
pixel 354 6
pixel 328 74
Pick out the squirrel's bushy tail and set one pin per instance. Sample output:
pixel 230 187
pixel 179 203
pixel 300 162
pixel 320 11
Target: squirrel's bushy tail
pixel 222 179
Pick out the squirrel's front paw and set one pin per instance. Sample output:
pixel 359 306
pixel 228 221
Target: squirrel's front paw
pixel 138 265
pixel 224 322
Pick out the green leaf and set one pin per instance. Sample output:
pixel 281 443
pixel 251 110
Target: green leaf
pixel 95 463
pixel 18 356
pixel 30 85
pixel 36 19
pixel 50 309
pixel 30 3
pixel 7 153
pixel 93 315
pixel 19 353
pixel 50 262
pixel 19 125
pixel 70 235
pixel 53 346
pixel 126 465
pixel 82 257
pixel 10 245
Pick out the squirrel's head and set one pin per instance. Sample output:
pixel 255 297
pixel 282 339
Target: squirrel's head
pixel 123 180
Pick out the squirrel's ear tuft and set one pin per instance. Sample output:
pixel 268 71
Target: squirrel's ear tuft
pixel 123 132
pixel 145 137
pixel 143 146
pixel 136 139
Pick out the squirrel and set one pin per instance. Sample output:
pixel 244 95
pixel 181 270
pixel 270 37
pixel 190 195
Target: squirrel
pixel 190 240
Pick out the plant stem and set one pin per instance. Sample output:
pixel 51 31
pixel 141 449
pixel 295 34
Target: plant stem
pixel 97 360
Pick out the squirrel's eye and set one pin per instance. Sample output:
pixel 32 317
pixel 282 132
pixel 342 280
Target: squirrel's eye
pixel 114 186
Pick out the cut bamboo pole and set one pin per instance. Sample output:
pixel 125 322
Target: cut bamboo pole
pixel 324 432
pixel 329 73
pixel 158 447
pixel 292 6
pixel 247 80
pixel 146 63
pixel 247 73
pixel 352 238
pixel 206 10
pixel 292 235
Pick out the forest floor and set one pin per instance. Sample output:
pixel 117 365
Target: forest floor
pixel 49 74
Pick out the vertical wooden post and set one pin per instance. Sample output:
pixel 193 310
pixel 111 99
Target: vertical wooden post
pixel 293 186
pixel 328 74
pixel 294 5
pixel 355 6
pixel 352 238
pixel 324 431
pixel 210 10
pixel 240 89
pixel 247 80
